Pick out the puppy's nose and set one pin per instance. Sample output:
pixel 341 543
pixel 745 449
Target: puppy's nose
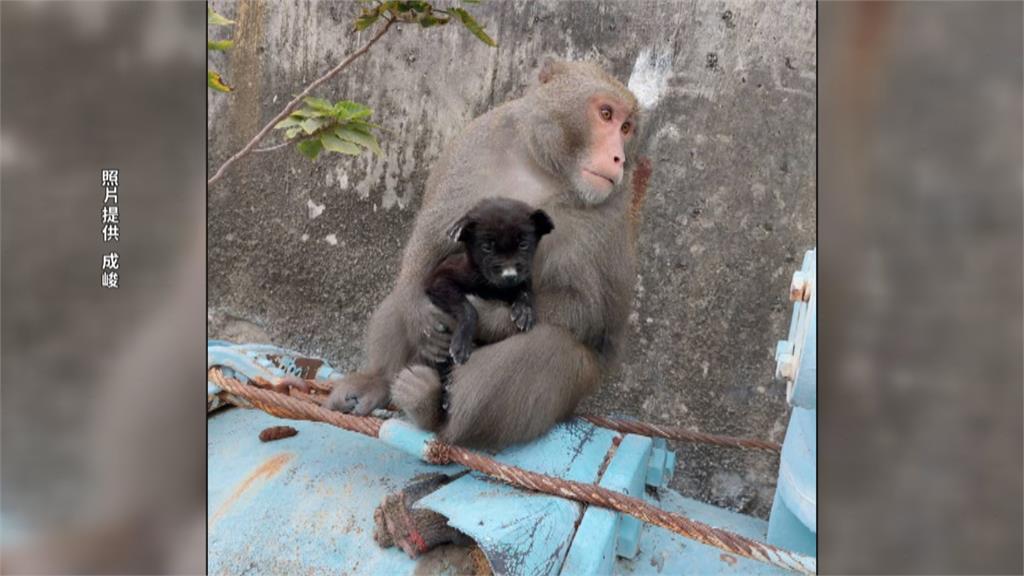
pixel 509 272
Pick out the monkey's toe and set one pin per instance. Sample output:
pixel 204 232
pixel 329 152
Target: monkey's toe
pixel 358 394
pixel 340 403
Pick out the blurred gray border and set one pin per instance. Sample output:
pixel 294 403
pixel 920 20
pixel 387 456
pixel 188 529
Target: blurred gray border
pixel 920 198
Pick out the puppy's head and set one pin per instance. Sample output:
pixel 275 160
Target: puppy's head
pixel 501 236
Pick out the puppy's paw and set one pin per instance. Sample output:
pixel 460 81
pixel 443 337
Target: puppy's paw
pixel 460 350
pixel 417 392
pixel 522 315
pixel 358 393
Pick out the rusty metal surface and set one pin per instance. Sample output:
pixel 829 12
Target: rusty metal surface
pixel 299 505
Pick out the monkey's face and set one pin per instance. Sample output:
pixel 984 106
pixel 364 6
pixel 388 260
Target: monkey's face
pixel 501 237
pixel 609 130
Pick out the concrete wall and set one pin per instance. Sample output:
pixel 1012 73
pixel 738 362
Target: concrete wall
pixel 301 252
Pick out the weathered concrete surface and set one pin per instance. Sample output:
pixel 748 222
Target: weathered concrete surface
pixel 730 94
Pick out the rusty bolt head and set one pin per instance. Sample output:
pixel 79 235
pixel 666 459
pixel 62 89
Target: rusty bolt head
pixel 800 288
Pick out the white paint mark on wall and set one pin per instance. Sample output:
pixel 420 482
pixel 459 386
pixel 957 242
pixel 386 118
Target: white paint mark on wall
pixel 650 76
pixel 331 239
pixel 669 131
pixel 314 209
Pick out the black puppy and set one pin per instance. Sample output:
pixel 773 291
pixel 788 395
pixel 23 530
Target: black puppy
pixel 500 236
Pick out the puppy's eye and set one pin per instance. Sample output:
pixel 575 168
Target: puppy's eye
pixel 523 245
pixel 487 247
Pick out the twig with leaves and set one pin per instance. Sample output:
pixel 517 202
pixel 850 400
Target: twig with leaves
pixel 343 126
pixel 213 78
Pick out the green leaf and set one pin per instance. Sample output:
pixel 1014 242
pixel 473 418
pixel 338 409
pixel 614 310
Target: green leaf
pixel 412 5
pixel 214 80
pixel 359 136
pixel 292 132
pixel 320 105
pixel 310 148
pixel 429 20
pixel 214 19
pixel 367 18
pixel 310 125
pixel 361 125
pixel 219 45
pixel 470 1
pixel 473 26
pixel 288 122
pixel 346 110
pixel 335 144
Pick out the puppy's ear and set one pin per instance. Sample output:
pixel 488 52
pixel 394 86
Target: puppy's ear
pixel 541 223
pixel 462 230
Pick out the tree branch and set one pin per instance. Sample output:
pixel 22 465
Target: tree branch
pixel 295 104
pixel 272 148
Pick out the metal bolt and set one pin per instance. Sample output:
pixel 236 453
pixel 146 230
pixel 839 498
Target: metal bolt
pixel 786 367
pixel 800 288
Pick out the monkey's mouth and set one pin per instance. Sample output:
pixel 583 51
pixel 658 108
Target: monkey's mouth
pixel 594 176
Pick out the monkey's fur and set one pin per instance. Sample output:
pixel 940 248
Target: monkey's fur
pixel 500 237
pixel 532 149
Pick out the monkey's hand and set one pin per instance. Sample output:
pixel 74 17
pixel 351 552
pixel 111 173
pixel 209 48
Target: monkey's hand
pixel 431 329
pixel 522 313
pixel 358 393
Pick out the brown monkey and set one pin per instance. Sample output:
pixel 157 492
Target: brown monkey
pixel 562 147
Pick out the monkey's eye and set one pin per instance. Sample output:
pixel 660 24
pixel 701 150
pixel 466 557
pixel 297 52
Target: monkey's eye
pixel 626 127
pixel 487 247
pixel 606 112
pixel 523 244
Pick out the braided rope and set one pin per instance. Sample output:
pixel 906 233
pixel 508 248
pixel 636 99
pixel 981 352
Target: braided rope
pixel 284 406
pixel 677 433
pixel 439 453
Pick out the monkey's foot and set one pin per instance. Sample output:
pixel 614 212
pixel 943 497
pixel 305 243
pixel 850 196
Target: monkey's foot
pixel 522 315
pixel 417 392
pixel 359 393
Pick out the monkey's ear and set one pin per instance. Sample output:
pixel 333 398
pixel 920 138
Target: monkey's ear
pixel 550 68
pixel 461 230
pixel 541 223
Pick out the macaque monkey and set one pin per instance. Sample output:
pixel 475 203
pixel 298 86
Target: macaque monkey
pixel 563 147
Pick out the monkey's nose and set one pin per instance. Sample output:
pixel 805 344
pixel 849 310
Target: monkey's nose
pixel 617 160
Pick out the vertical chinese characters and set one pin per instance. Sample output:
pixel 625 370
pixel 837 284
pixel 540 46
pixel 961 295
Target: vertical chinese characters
pixel 111 230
